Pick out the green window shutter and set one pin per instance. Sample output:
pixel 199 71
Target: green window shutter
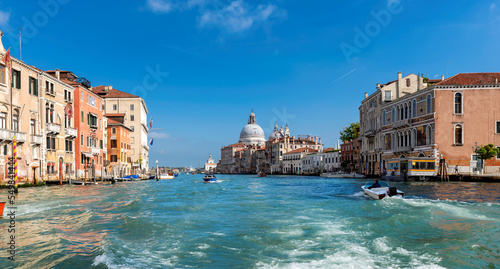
pixel 88 119
pixel 29 83
pixel 81 116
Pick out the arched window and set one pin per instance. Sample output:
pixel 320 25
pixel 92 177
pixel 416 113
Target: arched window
pixel 414 108
pixel 383 117
pixel 429 104
pixel 458 134
pixel 458 103
pixel 406 112
pixel 393 114
pixel 409 110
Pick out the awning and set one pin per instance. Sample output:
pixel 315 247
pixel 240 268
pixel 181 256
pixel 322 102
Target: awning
pixel 88 154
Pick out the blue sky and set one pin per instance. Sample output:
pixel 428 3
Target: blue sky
pixel 307 65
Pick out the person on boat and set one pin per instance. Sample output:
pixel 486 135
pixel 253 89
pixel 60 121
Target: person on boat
pixel 375 185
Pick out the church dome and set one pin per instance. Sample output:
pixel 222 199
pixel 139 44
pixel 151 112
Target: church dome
pixel 252 134
pixel 275 133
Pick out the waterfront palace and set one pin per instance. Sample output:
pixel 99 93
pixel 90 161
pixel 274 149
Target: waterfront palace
pixel 60 124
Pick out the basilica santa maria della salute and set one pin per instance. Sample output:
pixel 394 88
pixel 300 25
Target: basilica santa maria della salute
pixel 253 153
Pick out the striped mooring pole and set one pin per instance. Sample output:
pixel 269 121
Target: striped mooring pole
pixel 15 164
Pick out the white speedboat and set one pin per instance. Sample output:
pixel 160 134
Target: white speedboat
pixel 381 192
pixel 166 176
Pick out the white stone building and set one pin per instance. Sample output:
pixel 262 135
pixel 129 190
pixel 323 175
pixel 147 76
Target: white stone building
pixel 292 161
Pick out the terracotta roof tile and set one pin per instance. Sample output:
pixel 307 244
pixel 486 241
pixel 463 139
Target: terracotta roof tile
pixel 302 150
pixel 471 79
pixel 112 93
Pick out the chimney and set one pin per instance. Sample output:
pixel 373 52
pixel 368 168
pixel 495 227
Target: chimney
pixel 496 80
pixel 2 49
pixel 366 95
pixel 58 74
pixel 378 86
pixel 442 77
pixel 399 84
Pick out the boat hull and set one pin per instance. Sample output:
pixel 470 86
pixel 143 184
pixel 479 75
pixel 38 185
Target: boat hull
pixel 166 177
pixel 380 193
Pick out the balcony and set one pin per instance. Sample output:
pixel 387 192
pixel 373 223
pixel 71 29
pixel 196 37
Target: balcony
pixel 402 149
pixel 8 135
pixel 36 139
pixel 53 128
pixel 70 132
pixel 95 151
pixel 68 99
pixel 145 146
pixel 370 133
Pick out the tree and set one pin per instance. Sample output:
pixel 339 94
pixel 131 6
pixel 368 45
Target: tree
pixel 350 132
pixel 487 152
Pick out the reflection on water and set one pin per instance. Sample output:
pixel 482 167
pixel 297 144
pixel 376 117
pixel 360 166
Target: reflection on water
pixel 251 222
pixel 458 191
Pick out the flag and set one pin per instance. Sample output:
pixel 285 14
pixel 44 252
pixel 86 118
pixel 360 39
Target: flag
pixel 7 60
pixel 151 141
pixel 151 122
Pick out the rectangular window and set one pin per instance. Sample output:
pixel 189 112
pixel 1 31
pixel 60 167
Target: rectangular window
pixel 114 158
pixel 100 142
pixel 114 144
pixel 113 130
pixel 81 140
pixel 3 120
pixel 81 116
pixel 2 74
pixel 131 107
pixel 16 79
pixel 88 141
pixel 115 107
pixel 387 96
pixel 131 117
pixel 498 155
pixel 33 86
pixel 498 127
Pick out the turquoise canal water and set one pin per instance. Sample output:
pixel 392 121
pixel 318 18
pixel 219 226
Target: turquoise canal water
pixel 250 222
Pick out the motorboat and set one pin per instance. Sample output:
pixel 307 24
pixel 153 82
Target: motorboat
pixel 166 176
pixel 209 177
pixel 262 174
pixel 381 192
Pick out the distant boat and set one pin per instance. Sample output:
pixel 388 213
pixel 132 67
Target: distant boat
pixel 166 176
pixel 209 177
pixel 262 174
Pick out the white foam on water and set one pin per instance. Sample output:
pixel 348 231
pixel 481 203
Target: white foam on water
pixel 447 206
pixel 329 228
pixel 359 194
pixel 197 254
pixel 203 246
pixel 289 232
pixel 30 209
pixel 381 244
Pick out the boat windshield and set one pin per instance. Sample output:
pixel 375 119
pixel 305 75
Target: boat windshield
pixel 382 183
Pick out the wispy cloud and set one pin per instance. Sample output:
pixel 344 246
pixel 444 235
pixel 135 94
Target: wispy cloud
pixel 160 6
pixel 493 6
pixel 234 16
pixel 158 135
pixel 239 16
pixel 4 19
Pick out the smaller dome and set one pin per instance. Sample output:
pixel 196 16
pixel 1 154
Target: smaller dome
pixel 275 134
